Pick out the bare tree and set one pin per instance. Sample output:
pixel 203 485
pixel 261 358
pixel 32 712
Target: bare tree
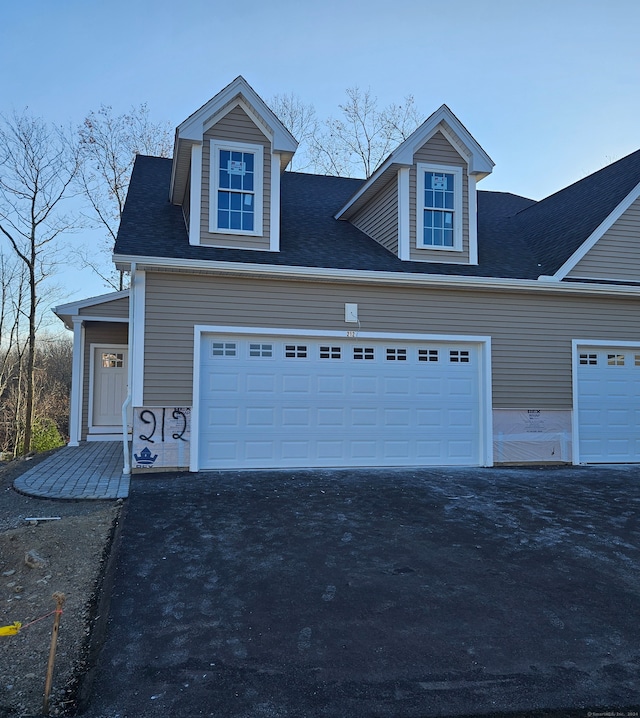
pixel 357 142
pixel 37 166
pixel 300 119
pixel 108 146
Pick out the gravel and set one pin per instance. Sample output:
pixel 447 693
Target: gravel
pixel 38 559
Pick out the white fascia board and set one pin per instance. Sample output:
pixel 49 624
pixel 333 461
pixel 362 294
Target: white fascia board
pixel 173 164
pixel 478 160
pixel 192 127
pixel 271 271
pixel 597 234
pixel 389 162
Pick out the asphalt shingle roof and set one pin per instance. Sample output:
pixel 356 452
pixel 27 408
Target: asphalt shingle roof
pixel 517 237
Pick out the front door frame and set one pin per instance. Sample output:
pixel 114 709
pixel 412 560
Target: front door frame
pixel 93 429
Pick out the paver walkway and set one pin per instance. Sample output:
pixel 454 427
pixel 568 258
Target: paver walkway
pixel 92 470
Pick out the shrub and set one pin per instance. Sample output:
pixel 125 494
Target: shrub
pixel 44 436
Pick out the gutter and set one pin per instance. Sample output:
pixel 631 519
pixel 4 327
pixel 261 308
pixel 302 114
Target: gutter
pixel 271 271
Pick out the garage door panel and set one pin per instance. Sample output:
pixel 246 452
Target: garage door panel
pixel 327 384
pixel 296 384
pixel 296 417
pixel 394 418
pixel 258 383
pixel 367 385
pixel 224 416
pixel 330 404
pixel 608 411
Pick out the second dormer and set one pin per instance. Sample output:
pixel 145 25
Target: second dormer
pixel 228 159
pixel 421 202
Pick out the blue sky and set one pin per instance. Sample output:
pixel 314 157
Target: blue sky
pixel 550 88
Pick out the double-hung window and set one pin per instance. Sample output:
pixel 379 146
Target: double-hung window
pixel 236 188
pixel 439 207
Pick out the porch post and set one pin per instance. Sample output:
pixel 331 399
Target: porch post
pixel 75 408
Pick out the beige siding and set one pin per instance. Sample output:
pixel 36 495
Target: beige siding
pixel 616 255
pixel 379 218
pixel 531 333
pixel 236 126
pixel 97 333
pixel 438 150
pixel 116 309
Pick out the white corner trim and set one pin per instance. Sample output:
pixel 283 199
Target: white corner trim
pixel 598 233
pixel 77 382
pixel 195 200
pixel 473 219
pixel 404 240
pixel 136 328
pixel 274 218
pixel 575 429
pixel 486 402
pixel 194 451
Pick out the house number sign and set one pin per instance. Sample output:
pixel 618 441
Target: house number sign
pixel 161 437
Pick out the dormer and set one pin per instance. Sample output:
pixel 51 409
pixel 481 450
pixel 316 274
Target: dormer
pixel 421 202
pixel 227 162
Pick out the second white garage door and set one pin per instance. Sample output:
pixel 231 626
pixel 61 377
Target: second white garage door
pixel 270 402
pixel 608 404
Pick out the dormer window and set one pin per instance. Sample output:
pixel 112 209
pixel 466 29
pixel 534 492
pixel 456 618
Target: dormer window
pixel 439 207
pixel 236 188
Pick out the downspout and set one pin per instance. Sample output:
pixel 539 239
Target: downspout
pixel 128 401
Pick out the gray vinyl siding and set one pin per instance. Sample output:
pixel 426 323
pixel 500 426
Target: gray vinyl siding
pixel 616 255
pixel 531 332
pixel 116 309
pixel 236 126
pixel 98 333
pixel 379 218
pixel 438 150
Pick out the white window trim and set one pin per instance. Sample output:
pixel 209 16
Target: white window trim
pixel 258 183
pixel 421 168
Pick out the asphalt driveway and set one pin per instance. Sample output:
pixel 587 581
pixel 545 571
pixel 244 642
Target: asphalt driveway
pixel 376 593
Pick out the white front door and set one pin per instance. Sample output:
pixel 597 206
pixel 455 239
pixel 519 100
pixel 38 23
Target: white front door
pixel 270 402
pixel 109 387
pixel 608 404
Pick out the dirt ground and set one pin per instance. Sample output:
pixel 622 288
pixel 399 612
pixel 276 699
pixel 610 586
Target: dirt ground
pixel 70 555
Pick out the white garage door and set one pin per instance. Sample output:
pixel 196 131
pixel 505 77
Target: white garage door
pixel 609 404
pixel 270 402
